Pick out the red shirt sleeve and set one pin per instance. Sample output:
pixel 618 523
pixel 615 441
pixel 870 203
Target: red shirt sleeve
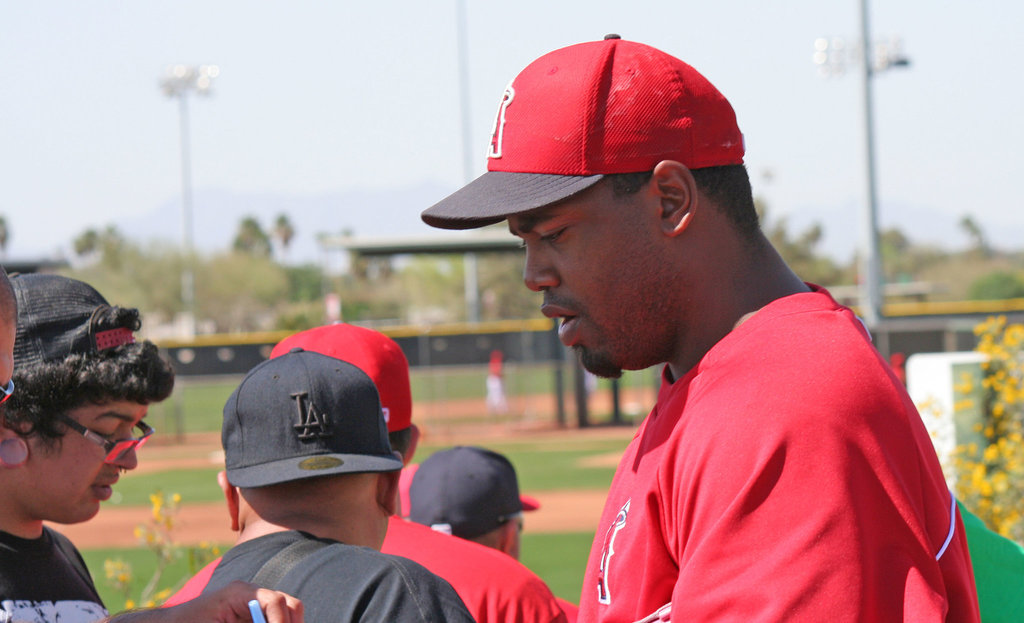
pixel 193 587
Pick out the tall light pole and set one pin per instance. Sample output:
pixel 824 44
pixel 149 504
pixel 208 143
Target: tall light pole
pixel 178 82
pixel 470 266
pixel 830 56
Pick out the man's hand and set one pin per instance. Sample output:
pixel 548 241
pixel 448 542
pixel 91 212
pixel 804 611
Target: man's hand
pixel 228 605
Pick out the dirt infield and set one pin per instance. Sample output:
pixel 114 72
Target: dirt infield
pixel 561 510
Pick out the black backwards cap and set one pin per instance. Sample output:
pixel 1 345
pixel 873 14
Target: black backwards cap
pixel 59 316
pixel 304 415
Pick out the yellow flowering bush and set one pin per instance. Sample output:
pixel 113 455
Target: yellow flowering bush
pixel 157 536
pixel 991 472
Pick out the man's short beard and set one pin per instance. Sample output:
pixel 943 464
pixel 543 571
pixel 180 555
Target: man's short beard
pixel 597 363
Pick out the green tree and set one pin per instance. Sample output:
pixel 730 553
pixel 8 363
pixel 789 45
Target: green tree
pixel 148 278
pixel 251 239
pixel 305 282
pixel 894 248
pixel 434 288
pixel 904 260
pixel 86 243
pixel 979 243
pixel 4 235
pixel 283 232
pixel 997 285
pixel 504 297
pixel 299 316
pixel 104 246
pixel 800 250
pixel 801 254
pixel 241 292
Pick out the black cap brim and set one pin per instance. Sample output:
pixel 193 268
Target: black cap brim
pixel 496 195
pixel 300 468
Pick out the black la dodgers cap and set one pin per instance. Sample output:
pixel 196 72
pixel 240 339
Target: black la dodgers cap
pixel 304 415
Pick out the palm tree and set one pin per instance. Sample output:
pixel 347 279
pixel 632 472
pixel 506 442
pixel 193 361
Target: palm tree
pixel 87 242
pixel 4 235
pixel 978 241
pixel 283 232
pixel 251 238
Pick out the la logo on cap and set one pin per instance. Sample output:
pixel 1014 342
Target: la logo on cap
pixel 311 424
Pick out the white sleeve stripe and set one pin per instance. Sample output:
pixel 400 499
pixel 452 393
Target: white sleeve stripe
pixel 667 608
pixel 952 526
pixel 661 614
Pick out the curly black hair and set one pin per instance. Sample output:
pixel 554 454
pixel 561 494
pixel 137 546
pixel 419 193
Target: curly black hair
pixel 46 391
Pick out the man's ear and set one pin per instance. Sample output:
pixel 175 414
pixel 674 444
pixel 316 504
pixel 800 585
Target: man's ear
pixel 387 491
pixel 508 539
pixel 230 496
pixel 677 195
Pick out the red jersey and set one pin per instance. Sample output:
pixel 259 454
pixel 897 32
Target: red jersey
pixel 494 586
pixel 194 586
pixel 787 477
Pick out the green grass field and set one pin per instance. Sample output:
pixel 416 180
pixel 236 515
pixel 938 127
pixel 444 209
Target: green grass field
pixel 143 565
pixel 542 465
pixel 197 404
pixel 194 485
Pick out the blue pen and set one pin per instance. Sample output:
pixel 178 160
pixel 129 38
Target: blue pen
pixel 256 612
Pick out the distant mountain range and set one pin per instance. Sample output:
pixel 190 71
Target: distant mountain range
pixel 395 212
pixel 217 214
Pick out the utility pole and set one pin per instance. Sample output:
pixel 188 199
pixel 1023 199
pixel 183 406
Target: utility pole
pixel 178 82
pixel 830 56
pixel 470 267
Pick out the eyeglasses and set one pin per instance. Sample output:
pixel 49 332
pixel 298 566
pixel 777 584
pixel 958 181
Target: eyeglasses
pixel 116 450
pixel 7 391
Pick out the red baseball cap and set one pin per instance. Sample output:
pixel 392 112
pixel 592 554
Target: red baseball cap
pixel 372 352
pixel 589 110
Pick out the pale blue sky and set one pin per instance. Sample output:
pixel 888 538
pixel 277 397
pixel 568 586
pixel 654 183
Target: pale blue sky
pixel 325 97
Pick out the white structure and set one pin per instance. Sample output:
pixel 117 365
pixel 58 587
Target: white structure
pixel 947 389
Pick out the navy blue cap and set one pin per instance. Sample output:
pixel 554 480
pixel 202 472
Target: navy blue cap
pixel 304 415
pixel 466 491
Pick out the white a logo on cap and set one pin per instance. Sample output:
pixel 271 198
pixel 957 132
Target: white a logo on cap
pixel 498 130
pixel 311 424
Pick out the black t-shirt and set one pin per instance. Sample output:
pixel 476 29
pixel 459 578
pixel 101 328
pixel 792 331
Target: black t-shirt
pixel 44 580
pixel 341 582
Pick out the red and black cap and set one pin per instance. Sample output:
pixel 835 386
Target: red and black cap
pixel 586 111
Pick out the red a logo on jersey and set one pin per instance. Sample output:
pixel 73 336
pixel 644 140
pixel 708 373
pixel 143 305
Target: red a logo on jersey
pixel 604 596
pixel 498 129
